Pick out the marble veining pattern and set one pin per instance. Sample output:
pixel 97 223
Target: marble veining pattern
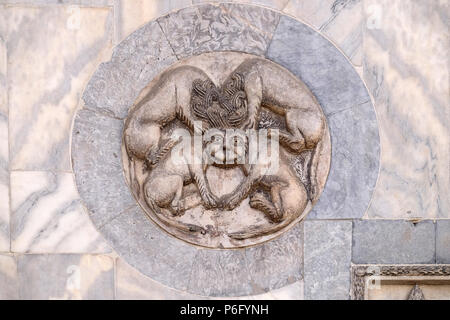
pixel 213 27
pixel 340 20
pixel 46 75
pixel 135 61
pixel 134 14
pixel 48 217
pixel 4 147
pixel 407 74
pixel 73 277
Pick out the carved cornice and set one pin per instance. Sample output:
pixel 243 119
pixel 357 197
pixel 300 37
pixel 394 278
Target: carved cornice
pixel 359 273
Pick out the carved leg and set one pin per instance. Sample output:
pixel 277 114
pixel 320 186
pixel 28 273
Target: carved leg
pixel 232 200
pixel 259 202
pixel 293 142
pixel 157 154
pixel 210 200
pixel 253 89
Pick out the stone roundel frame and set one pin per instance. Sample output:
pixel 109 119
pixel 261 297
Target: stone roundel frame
pixel 97 139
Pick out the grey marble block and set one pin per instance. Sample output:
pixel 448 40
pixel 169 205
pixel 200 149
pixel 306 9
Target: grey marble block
pixel 318 63
pixel 219 27
pixel 350 114
pixel 220 273
pixel 327 250
pixel 135 61
pixel 4 145
pixel 96 160
pixel 48 67
pixel 9 288
pixel 72 277
pixel 354 166
pixel 133 285
pixel 277 264
pixel 406 69
pixel 153 252
pixel 443 241
pixel 393 242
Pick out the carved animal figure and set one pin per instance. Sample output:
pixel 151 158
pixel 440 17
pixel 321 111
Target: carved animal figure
pixel 172 185
pixel 167 100
pixel 281 197
pixel 268 85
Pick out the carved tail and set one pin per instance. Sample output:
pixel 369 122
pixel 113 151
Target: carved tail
pixel 260 231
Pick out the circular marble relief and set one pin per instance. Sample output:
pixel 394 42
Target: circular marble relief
pixel 226 149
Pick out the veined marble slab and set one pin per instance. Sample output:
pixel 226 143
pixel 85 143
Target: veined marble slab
pixel 72 277
pixel 340 20
pixel 9 288
pixel 406 69
pixel 133 14
pixel 48 217
pixel 4 148
pixel 48 67
pixel 131 284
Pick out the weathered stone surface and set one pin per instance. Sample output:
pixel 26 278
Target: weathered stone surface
pixel 276 4
pixel 133 14
pixel 354 164
pixel 9 288
pixel 4 145
pixel 443 241
pixel 133 285
pixel 393 242
pixel 406 69
pixel 340 20
pixel 135 61
pixel 72 277
pixel 327 254
pixel 278 263
pixel 351 117
pixel 219 27
pixel 318 63
pixel 149 249
pixel 47 215
pixel 96 158
pixel 46 75
pixel 220 273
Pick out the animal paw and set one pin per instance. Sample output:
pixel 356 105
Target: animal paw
pixel 211 201
pixel 231 201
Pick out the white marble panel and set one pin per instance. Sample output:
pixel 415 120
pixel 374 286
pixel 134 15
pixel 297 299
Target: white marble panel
pixel 8 277
pixel 4 148
pixel 406 69
pixel 49 65
pixel 133 14
pixel 275 4
pixel 72 277
pixel 48 217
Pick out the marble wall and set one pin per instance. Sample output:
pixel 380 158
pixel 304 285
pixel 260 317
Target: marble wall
pixel 49 49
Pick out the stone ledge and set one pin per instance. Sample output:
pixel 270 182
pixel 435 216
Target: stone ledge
pixel 393 242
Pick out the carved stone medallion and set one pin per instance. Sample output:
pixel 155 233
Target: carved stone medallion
pixel 226 150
